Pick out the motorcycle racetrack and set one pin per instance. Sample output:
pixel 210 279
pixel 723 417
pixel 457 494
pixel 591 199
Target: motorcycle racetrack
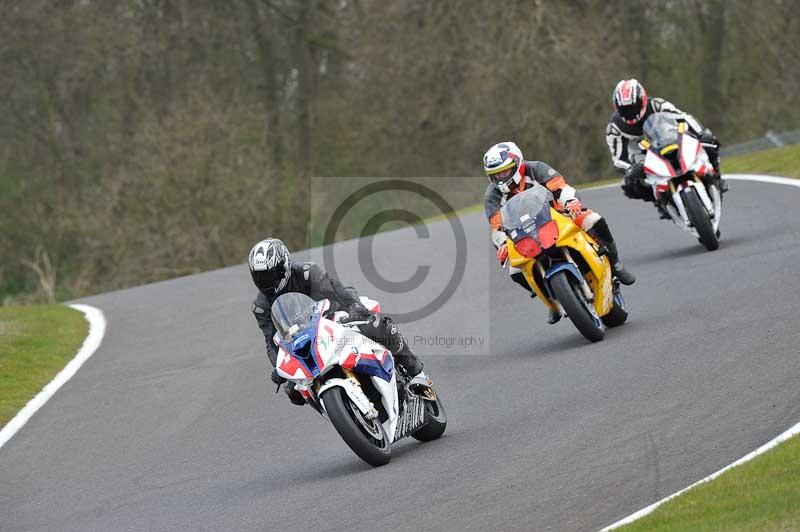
pixel 173 425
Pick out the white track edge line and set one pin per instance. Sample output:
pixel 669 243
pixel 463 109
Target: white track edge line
pixel 761 450
pixel 764 179
pixel 746 458
pixel 97 329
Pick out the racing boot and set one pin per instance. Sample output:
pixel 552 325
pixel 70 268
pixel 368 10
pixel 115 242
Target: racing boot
pixel 294 396
pixel 411 363
pixel 624 276
pixel 662 212
pixel 519 278
pixel 422 385
pixel 723 185
pixel 420 379
pixel 553 316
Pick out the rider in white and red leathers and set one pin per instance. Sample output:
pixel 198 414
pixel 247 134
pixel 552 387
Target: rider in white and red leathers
pixel 624 132
pixel 510 174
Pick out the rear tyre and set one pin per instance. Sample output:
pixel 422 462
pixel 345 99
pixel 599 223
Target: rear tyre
pixel 700 220
pixel 580 311
pixel 437 421
pixel 365 437
pixel 617 315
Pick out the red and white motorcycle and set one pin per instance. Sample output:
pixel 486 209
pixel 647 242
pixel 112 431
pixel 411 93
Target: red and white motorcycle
pixel 351 380
pixel 682 179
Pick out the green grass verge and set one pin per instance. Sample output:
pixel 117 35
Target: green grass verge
pixel 760 495
pixel 35 343
pixel 777 161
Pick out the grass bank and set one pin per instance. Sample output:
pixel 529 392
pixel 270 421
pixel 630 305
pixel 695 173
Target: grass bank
pixel 777 161
pixel 760 495
pixel 35 343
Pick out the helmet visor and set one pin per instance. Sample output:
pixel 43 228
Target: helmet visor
pixel 630 112
pixel 503 175
pixel 268 280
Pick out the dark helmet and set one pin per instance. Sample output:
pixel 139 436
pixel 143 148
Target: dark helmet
pixel 630 100
pixel 270 265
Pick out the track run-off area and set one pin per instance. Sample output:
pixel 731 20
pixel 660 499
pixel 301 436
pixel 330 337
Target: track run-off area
pixel 173 425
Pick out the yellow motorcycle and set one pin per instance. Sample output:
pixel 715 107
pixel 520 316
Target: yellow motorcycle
pixel 563 265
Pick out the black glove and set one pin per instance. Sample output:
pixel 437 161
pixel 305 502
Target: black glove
pixel 277 379
pixel 294 396
pixel 356 312
pixel 707 137
pixel 632 184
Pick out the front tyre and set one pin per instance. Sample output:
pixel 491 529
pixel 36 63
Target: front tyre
pixel 700 220
pixel 437 421
pixel 580 311
pixel 365 437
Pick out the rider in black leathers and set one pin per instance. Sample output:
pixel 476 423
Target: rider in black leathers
pixel 274 273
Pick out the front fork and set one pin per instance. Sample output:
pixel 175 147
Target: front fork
pixel 551 301
pixel 712 203
pixel 352 387
pixel 587 290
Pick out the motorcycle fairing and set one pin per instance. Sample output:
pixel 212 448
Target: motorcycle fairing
pixel 663 176
pixel 564 266
pixel 375 364
pixel 332 344
pixel 301 353
pixel 570 235
pixel 690 157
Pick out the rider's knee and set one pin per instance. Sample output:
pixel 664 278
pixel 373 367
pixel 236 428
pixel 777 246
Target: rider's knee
pixel 588 220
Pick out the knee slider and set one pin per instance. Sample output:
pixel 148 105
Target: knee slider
pixel 590 220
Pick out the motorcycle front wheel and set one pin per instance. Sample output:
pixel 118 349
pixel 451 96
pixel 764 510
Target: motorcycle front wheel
pixel 580 311
pixel 700 219
pixel 365 437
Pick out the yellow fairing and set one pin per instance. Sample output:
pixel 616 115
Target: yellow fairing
pixel 573 237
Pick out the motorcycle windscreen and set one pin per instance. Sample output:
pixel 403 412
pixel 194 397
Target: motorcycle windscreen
pixel 661 129
pixel 292 313
pixel 526 212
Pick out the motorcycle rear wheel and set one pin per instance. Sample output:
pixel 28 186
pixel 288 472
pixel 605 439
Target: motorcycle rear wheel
pixel 700 220
pixel 437 421
pixel 369 442
pixel 576 307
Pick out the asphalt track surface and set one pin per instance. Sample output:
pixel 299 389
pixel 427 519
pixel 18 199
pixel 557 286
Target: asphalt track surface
pixel 172 427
